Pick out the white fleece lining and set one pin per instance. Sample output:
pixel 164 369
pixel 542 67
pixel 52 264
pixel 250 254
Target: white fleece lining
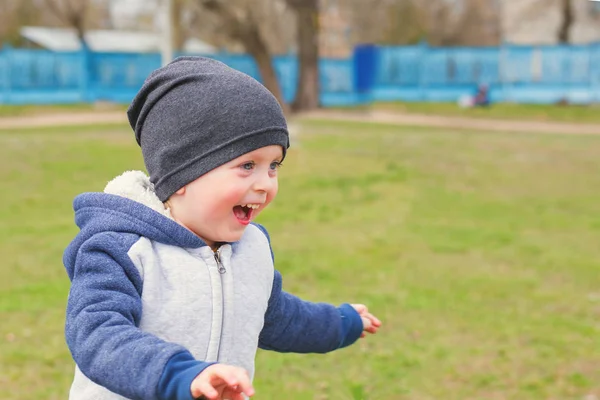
pixel 136 186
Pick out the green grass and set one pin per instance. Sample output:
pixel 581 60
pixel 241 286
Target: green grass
pixel 478 251
pixel 28 110
pixel 507 111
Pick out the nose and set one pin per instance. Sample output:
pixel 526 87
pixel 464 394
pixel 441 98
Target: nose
pixel 264 182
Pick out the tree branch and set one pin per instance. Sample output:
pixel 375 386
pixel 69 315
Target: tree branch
pixel 55 9
pixel 73 16
pixel 235 23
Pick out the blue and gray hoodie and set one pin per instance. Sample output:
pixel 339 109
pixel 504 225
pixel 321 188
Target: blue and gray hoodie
pixel 151 305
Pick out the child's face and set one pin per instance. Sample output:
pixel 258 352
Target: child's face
pixel 212 205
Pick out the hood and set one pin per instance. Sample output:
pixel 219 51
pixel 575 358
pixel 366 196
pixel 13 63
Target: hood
pixel 128 205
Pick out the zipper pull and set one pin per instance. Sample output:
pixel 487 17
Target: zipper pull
pixel 220 265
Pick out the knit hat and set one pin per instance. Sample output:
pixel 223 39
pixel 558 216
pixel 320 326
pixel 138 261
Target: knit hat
pixel 196 114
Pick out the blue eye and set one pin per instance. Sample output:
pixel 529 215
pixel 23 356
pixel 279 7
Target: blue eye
pixel 276 165
pixel 247 166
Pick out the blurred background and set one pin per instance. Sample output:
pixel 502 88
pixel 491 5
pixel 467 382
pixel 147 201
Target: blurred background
pixel 444 170
pixel 308 53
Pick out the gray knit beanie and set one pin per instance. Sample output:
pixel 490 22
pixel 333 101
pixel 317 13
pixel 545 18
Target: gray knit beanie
pixel 196 114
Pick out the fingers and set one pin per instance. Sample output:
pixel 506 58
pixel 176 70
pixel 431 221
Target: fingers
pixel 238 380
pixel 235 393
pixel 214 380
pixel 370 322
pixel 374 320
pixel 204 388
pixel 244 384
pixel 229 375
pixel 360 308
pixel 366 323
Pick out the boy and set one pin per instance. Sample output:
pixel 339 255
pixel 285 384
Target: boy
pixel 173 287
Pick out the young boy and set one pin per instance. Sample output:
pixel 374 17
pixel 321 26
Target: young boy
pixel 173 285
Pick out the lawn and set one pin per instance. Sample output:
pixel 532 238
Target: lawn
pixel 506 111
pixel 478 251
pixel 30 109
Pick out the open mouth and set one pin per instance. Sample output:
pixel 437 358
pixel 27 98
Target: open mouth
pixel 245 212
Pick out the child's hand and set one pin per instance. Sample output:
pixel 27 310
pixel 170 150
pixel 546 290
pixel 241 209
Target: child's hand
pixel 370 322
pixel 221 381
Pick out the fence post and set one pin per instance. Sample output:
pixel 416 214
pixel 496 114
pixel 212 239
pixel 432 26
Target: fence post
pixel 365 70
pixel 5 54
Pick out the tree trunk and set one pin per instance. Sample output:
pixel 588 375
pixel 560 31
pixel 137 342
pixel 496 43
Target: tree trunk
pixel 256 46
pixel 178 31
pixel 77 22
pixel 72 14
pixel 246 30
pixel 567 19
pixel 307 91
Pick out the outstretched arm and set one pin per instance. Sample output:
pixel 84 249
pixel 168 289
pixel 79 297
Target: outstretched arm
pixel 295 325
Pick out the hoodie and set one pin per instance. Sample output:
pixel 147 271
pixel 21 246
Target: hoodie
pixel 151 305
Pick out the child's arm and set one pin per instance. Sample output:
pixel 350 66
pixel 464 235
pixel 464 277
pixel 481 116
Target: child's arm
pixel 103 312
pixel 295 325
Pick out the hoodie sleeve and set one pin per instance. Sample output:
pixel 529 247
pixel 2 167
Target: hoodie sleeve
pixel 103 312
pixel 295 325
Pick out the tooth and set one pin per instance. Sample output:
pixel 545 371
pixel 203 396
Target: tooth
pixel 256 206
pixel 244 205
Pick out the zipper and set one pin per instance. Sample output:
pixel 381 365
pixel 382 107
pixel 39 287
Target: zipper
pixel 220 265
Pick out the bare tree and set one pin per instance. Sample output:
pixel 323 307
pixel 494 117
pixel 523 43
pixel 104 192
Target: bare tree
pixel 241 24
pixel 72 13
pixel 405 23
pixel 307 92
pixel 566 22
pixel 540 8
pixel 440 22
pixel 182 16
pixel 13 15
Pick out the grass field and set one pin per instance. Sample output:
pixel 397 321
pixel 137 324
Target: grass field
pixel 480 252
pixel 29 109
pixel 521 112
pixel 506 111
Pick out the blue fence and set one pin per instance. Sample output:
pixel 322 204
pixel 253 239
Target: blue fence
pixel 45 77
pixel 523 74
pixel 412 73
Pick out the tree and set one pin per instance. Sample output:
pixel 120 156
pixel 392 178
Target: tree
pixel 72 13
pixel 539 9
pixel 180 28
pixel 307 22
pixel 474 23
pixel 440 22
pixel 241 24
pixel 566 22
pixel 13 15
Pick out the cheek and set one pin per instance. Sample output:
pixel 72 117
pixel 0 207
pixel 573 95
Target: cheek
pixel 273 192
pixel 223 200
